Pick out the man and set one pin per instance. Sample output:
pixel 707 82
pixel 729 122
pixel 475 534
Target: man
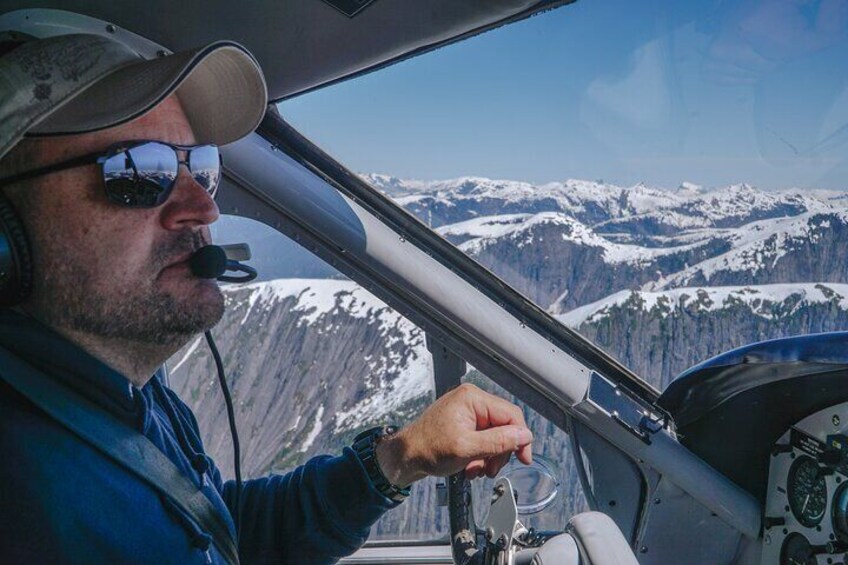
pixel 106 163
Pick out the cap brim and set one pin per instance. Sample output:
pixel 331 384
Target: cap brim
pixel 220 86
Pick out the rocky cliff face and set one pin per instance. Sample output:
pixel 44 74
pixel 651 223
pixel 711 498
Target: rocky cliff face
pixel 310 363
pixel 660 334
pixel 558 262
pixel 661 280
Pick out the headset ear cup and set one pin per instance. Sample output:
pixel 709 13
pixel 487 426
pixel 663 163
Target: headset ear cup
pixel 15 257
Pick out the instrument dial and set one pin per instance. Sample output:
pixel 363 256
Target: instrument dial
pixel 839 512
pixel 807 491
pixel 797 550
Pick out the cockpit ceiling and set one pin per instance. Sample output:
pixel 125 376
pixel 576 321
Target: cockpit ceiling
pixel 306 44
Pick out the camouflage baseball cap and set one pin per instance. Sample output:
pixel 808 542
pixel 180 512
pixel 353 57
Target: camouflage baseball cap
pixel 78 83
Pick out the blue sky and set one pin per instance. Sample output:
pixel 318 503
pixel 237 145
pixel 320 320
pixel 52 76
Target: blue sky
pixel 712 92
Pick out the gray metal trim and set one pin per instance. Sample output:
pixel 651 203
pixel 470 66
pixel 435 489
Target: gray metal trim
pixel 411 554
pixel 612 482
pixel 675 525
pixel 580 465
pixel 677 464
pixel 448 370
pixel 540 7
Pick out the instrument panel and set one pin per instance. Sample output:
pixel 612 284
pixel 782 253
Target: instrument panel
pixel 806 514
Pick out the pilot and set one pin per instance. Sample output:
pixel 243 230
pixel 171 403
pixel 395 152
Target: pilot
pixel 108 172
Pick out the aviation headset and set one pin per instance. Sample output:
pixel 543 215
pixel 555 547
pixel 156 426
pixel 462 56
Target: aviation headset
pixel 15 257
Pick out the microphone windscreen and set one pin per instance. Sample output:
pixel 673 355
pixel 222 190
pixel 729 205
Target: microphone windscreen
pixel 209 262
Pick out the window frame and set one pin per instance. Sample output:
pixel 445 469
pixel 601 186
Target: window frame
pixel 281 179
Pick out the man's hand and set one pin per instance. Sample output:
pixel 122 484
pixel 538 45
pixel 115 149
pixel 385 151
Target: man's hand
pixel 465 429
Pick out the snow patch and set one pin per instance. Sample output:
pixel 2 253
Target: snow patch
pixel 313 298
pixel 414 381
pixel 188 354
pixel 293 427
pixel 761 300
pixel 317 425
pixel 487 230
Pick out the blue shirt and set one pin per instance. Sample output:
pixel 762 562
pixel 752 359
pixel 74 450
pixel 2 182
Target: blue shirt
pixel 64 501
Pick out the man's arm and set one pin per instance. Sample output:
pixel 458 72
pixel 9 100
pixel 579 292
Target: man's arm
pixel 324 509
pixel 317 513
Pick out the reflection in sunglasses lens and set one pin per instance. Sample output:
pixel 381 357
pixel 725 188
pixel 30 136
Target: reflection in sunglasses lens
pixel 205 166
pixel 143 176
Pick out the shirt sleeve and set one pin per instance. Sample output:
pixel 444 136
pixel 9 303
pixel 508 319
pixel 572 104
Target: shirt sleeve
pixel 319 512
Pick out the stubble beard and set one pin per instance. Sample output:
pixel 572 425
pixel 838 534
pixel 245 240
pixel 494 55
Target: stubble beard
pixel 77 299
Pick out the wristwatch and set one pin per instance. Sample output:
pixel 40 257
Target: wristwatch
pixel 365 446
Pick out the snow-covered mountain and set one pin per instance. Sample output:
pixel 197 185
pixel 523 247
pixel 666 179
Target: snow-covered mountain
pixel 770 302
pixel 660 334
pixel 311 362
pixel 605 207
pixel 810 246
pixel 293 339
pixel 566 244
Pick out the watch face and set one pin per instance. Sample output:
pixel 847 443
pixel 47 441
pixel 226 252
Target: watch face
pixel 371 432
pixel 365 446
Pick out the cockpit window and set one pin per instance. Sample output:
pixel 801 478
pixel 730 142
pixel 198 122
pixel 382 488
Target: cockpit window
pixel 312 359
pixel 667 178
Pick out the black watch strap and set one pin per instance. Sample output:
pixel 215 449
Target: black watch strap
pixel 365 446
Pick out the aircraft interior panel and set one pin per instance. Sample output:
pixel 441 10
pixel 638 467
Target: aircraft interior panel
pixel 806 512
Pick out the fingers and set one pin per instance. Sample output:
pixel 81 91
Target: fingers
pixel 491 410
pixel 503 431
pixel 467 429
pixel 475 469
pixel 495 464
pixel 489 467
pixel 499 441
pixel 525 454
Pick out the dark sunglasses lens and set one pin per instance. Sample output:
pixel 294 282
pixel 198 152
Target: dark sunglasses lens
pixel 142 176
pixel 205 165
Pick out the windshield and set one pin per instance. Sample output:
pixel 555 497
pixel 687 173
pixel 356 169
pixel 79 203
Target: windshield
pixel 666 178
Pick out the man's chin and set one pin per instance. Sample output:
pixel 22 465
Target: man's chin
pixel 174 308
pixel 204 309
pixel 185 314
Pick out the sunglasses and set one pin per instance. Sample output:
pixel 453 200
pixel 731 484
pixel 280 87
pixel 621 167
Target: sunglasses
pixel 142 174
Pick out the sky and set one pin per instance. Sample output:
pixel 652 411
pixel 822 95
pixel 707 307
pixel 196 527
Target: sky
pixel 713 92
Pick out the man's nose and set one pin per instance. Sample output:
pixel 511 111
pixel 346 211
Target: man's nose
pixel 189 205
